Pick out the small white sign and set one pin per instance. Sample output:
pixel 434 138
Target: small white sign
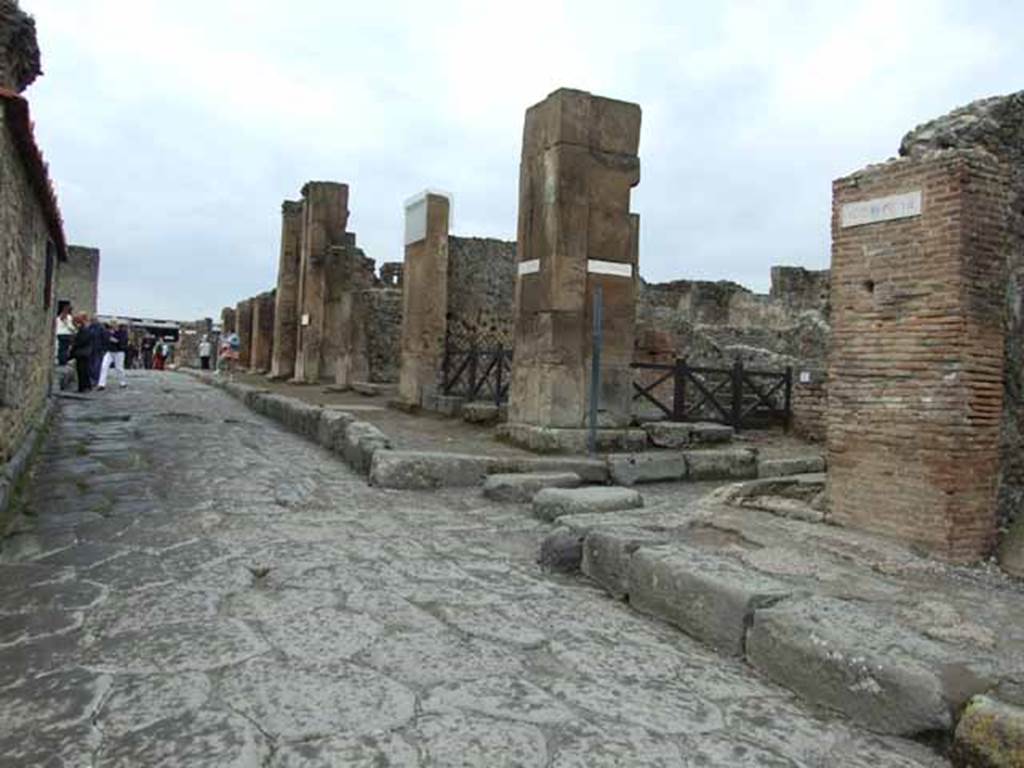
pixel 530 267
pixel 305 320
pixel 616 268
pixel 881 209
pixel 416 221
pixel 805 377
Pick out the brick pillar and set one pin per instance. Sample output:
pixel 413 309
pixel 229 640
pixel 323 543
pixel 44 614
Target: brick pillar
pixel 424 296
pixel 579 163
pixel 324 218
pixel 916 369
pixel 350 274
pixel 262 332
pixel 243 327
pixel 286 307
pixel 227 321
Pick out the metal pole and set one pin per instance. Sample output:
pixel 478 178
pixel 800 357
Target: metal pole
pixel 597 340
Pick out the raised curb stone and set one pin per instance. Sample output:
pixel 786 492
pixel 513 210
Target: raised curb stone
pixel 561 550
pixel 798 465
pixel 607 552
pixel 990 734
pixel 708 596
pixel 633 468
pixel 427 470
pixel 524 486
pixel 679 434
pixel 858 660
pixel 552 503
pixel 721 464
pixel 362 442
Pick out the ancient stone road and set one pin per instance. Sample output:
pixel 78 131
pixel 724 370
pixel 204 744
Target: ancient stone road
pixel 194 586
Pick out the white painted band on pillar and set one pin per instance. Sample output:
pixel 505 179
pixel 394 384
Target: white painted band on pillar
pixel 529 267
pixel 617 268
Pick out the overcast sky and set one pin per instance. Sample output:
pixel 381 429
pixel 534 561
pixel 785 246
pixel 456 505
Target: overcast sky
pixel 175 129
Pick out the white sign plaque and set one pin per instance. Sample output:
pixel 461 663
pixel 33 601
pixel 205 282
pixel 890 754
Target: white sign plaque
pixel 881 209
pixel 416 220
pixel 617 268
pixel 530 267
pixel 305 320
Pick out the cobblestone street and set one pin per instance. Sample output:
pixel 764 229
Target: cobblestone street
pixel 190 585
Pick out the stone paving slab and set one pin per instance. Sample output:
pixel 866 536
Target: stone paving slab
pixel 250 601
pixel 523 487
pixel 552 503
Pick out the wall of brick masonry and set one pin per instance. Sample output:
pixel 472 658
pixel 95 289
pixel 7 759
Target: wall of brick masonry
pixel 997 126
pixel 810 403
pixel 78 279
pixel 27 311
pixel 915 374
pixel 384 337
pixel 228 320
pixel 481 290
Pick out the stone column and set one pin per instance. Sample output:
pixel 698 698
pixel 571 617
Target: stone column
pixel 350 274
pixel 324 218
pixel 227 321
pixel 286 307
pixel 262 332
pixel 915 389
pixel 424 297
pixel 579 163
pixel 243 327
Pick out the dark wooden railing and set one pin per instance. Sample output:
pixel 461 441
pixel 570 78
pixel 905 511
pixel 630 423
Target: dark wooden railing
pixel 477 373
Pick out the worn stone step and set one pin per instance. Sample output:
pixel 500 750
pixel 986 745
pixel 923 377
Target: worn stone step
pixel 794 465
pixel 633 468
pixel 721 464
pixel 856 658
pixel 710 597
pixel 425 470
pixel 606 554
pixel 552 503
pixel 524 486
pixel 683 434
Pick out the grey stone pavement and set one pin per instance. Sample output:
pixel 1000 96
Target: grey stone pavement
pixel 190 585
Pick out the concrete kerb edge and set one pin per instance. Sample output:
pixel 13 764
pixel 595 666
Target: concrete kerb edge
pixel 12 472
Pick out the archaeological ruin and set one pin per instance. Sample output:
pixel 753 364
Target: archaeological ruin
pixel 78 279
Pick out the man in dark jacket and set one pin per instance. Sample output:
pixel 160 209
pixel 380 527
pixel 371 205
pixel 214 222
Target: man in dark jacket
pixel 81 352
pixel 99 335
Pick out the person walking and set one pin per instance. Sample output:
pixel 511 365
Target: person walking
pixel 117 345
pixel 81 352
pixel 148 345
pixel 66 331
pixel 99 348
pixel 205 350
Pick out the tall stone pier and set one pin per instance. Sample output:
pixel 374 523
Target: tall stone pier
pixel 424 296
pixel 262 332
pixel 286 307
pixel 576 233
pixel 227 321
pixel 915 399
pixel 243 327
pixel 324 216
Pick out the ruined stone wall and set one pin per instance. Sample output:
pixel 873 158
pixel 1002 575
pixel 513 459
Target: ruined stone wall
pixel 27 298
pixel 801 290
pixel 481 290
pixel 78 279
pixel 809 402
pixel 915 372
pixel 384 333
pixel 190 334
pixel 996 125
pixel 349 272
pixel 19 50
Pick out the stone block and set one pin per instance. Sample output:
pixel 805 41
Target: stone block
pixel 857 659
pixel 483 413
pixel 449 405
pixel 371 389
pixel 301 417
pixel 797 465
pixel 682 434
pixel 607 553
pixel 524 486
pixel 633 468
pixel 710 597
pixel 562 551
pixel 558 440
pixel 552 503
pixel 990 734
pixel 669 522
pixel 362 442
pixel 721 464
pixel 331 429
pixel 426 470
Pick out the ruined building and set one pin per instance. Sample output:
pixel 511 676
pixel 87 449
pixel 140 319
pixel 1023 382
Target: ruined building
pixel 33 244
pixel 924 436
pixel 78 279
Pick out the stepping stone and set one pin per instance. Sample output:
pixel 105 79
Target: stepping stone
pixel 721 464
pixel 552 503
pixel 797 465
pixel 710 597
pixel 858 659
pixel 633 468
pixel 679 434
pixel 523 487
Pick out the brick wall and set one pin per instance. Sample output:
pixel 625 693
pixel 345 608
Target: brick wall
pixel 27 311
pixel 78 279
pixel 809 403
pixel 915 373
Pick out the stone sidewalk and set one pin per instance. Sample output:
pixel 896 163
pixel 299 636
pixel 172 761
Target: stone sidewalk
pixel 189 584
